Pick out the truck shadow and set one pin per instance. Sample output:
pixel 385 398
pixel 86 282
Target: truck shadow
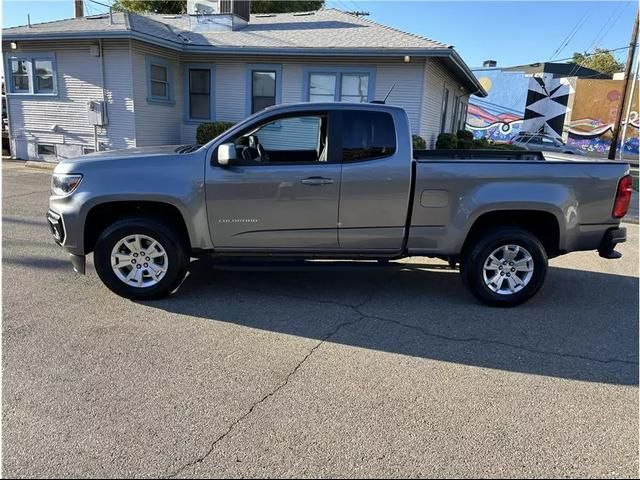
pixel 581 325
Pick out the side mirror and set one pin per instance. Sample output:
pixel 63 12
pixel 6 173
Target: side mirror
pixel 226 153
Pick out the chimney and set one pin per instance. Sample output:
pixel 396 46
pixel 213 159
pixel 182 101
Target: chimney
pixel 489 63
pixel 79 8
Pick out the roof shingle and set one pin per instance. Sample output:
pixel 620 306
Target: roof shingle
pixel 326 28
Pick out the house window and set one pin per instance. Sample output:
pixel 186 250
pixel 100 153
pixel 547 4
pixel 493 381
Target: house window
pixel 46 150
pixel 87 150
pixel 263 89
pixel 32 75
pixel 263 86
pixel 199 93
pixel 43 76
pixel 159 80
pixel 355 88
pixel 322 87
pixel 20 75
pixel 445 106
pixel 340 86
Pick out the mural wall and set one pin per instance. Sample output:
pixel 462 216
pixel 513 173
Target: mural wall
pixel 546 106
pixel 581 111
pixel 499 116
pixel 594 109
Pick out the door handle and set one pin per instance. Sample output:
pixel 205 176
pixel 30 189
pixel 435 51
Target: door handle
pixel 317 181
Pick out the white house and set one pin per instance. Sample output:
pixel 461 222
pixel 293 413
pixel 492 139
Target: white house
pixel 126 80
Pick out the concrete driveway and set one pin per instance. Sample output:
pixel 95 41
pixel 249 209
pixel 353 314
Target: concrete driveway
pixel 337 370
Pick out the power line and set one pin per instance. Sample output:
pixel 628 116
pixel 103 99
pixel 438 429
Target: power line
pixel 598 38
pixel 542 61
pixel 100 3
pixel 570 35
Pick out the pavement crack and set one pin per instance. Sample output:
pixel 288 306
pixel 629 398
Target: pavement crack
pixel 357 309
pixel 427 333
pixel 266 397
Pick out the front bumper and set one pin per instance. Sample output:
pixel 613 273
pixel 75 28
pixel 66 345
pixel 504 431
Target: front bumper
pixel 611 238
pixel 58 232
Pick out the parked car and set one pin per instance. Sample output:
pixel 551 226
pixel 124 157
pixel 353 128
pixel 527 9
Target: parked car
pixel 333 180
pixel 546 143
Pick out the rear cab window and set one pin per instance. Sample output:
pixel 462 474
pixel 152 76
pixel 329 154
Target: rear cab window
pixel 367 135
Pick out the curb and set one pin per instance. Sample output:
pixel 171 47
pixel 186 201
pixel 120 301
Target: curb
pixel 40 165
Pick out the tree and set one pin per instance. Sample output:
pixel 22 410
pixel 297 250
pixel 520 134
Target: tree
pixel 601 60
pixel 180 6
pixel 152 6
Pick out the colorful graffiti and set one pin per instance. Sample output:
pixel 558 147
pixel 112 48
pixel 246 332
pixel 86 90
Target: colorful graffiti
pixel 499 116
pixel 582 111
pixel 594 110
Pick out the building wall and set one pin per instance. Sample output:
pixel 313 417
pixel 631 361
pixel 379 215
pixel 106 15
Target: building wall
pixel 231 87
pixel 593 113
pixel 436 79
pixel 499 116
pixel 156 123
pixel 134 120
pixel 62 119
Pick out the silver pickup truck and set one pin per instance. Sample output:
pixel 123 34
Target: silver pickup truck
pixel 333 180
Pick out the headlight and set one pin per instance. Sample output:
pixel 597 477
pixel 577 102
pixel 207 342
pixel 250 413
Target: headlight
pixel 64 184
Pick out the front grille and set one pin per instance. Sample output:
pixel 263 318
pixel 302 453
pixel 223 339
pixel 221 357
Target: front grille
pixel 56 226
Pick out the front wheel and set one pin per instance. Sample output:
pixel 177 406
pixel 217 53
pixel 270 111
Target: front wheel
pixel 140 258
pixel 505 267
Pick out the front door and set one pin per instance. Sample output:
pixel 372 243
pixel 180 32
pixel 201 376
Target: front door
pixel 282 190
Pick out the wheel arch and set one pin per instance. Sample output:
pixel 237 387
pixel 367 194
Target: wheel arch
pixel 101 215
pixel 542 223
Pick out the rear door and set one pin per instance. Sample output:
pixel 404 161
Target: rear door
pixel 282 191
pixel 376 180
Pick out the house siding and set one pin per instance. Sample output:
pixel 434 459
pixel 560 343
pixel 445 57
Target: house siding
pixel 231 88
pixel 121 130
pixel 134 120
pixel 79 80
pixel 156 123
pixel 437 77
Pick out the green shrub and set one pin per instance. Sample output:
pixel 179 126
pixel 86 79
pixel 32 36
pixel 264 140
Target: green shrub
pixel 481 143
pixel 447 141
pixel 465 139
pixel 209 130
pixel 418 142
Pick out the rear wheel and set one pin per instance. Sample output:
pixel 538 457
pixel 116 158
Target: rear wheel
pixel 140 258
pixel 505 267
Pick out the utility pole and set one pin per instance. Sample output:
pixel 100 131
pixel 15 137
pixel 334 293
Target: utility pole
pixel 625 88
pixel 79 8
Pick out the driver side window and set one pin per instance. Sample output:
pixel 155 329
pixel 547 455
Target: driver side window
pixel 289 140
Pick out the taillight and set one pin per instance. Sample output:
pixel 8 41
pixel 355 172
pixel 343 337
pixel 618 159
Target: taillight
pixel 623 197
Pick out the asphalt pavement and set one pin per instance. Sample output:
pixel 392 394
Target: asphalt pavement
pixel 348 370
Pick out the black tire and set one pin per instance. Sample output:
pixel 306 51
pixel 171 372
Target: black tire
pixel 477 254
pixel 177 255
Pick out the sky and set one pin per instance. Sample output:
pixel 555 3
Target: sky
pixel 510 32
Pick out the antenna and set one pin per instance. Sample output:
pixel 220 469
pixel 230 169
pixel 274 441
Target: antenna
pixel 382 102
pixel 390 90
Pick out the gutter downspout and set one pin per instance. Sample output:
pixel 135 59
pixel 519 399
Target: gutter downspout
pixel 105 116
